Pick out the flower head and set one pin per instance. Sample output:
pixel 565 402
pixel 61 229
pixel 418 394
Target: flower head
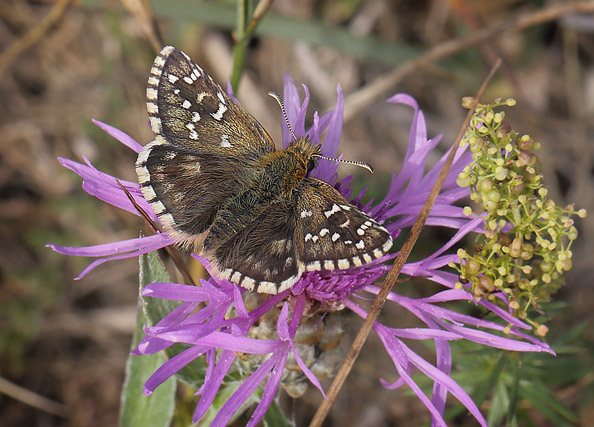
pixel 257 338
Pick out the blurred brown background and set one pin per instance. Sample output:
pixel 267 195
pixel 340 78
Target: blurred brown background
pixel 68 341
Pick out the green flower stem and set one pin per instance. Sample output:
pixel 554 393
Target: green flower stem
pixel 246 25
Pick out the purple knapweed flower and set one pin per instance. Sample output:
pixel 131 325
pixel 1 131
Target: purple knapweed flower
pixel 230 326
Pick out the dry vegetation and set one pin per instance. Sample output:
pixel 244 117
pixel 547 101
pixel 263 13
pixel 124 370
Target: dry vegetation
pixel 68 341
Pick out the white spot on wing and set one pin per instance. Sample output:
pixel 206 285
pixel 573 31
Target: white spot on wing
pixel 187 104
pixel 225 141
pixel 196 117
pixel 335 208
pixel 335 237
pixel 172 78
pixel 151 93
pixel 188 80
pixel 306 213
pixel 287 283
pixel 343 264
pixel 151 107
pixel 218 115
pixel 267 288
pixel 313 266
pixel 159 60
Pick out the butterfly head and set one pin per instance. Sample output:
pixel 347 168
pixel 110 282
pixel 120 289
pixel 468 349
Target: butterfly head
pixel 304 156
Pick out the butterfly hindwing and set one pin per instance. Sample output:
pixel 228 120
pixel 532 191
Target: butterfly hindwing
pixel 318 229
pixel 187 108
pixel 186 187
pixel 262 261
pixel 331 233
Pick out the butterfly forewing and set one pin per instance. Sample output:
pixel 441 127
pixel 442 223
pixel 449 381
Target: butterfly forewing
pixel 187 108
pixel 206 144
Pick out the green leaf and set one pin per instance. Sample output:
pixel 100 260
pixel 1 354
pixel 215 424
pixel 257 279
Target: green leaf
pixel 275 417
pixel 152 270
pixel 315 32
pixel 224 393
pixel 499 405
pixel 137 409
pixel 483 388
pixel 193 373
pixel 547 404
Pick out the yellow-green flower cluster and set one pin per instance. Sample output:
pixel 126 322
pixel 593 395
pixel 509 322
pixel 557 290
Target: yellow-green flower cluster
pixel 526 245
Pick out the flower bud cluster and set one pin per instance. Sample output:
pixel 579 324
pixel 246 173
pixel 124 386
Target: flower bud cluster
pixel 526 245
pixel 317 341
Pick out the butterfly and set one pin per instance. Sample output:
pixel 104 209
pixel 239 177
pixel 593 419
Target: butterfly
pixel 219 187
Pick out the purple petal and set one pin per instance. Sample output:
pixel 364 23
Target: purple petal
pixel 223 341
pixel 443 356
pixel 424 334
pixel 176 292
pixel 213 382
pixel 244 391
pixel 453 387
pixel 106 188
pixel 334 131
pixel 269 390
pixel 123 137
pixel 129 249
pixel 149 243
pixel 297 314
pixel 172 366
pixel 281 325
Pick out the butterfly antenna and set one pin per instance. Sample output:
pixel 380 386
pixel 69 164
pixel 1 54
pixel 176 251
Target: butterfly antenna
pixel 282 107
pixel 350 162
pixel 363 165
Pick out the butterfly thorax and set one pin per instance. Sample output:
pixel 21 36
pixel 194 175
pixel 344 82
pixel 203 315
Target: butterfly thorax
pixel 281 171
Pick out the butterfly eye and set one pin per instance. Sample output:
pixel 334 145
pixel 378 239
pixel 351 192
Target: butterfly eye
pixel 310 165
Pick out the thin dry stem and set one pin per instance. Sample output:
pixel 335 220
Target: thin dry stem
pixel 33 35
pixel 173 252
pixel 32 399
pixel 359 100
pixel 143 12
pixel 388 284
